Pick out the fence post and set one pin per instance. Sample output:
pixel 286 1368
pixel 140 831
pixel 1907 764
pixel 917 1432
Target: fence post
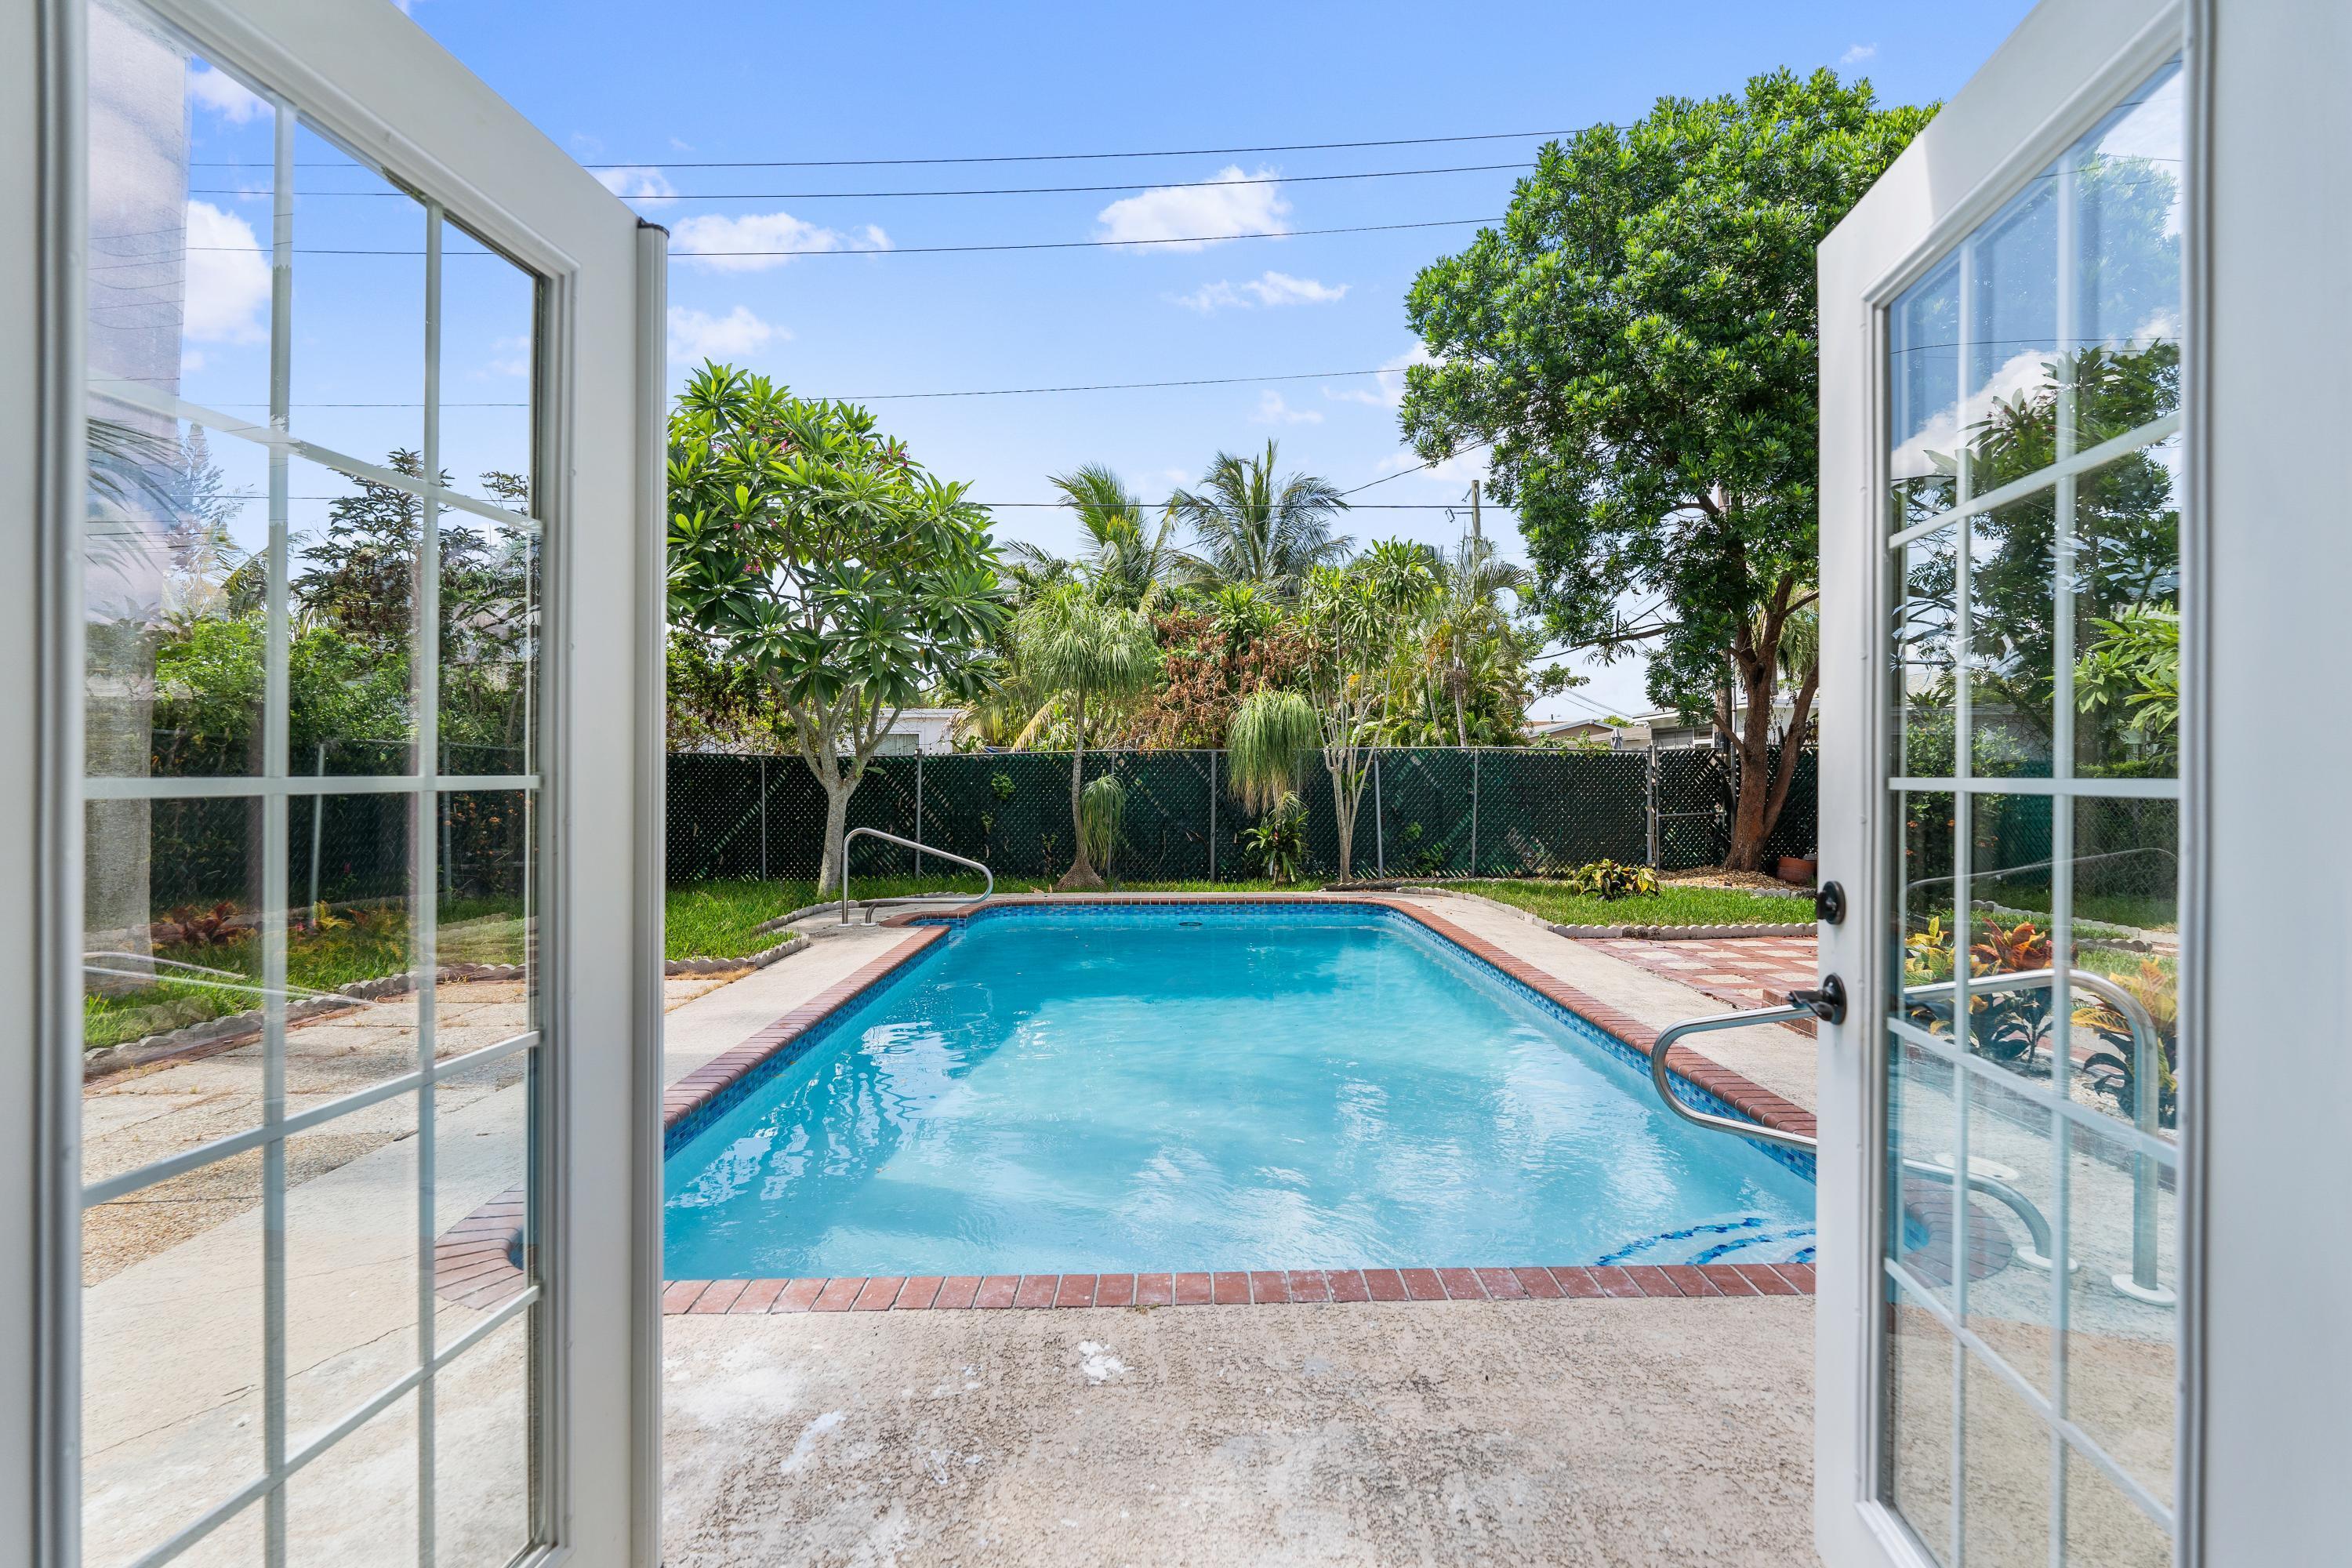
pixel 318 821
pixel 1379 841
pixel 1212 815
pixel 764 819
pixel 918 835
pixel 1474 811
pixel 1650 793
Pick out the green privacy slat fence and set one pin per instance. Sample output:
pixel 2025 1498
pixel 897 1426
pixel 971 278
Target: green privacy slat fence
pixel 1429 812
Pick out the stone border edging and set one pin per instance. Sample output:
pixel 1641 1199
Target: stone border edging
pixel 1237 1288
pixel 214 1035
pixel 478 1262
pixel 700 1090
pixel 1649 933
pixel 759 960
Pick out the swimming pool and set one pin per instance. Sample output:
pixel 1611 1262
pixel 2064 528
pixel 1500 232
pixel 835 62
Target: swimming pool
pixel 1207 1087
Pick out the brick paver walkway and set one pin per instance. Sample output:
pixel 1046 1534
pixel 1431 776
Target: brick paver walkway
pixel 1739 971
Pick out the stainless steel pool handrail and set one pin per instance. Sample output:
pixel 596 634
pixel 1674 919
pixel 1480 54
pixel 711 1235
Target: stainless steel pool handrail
pixel 908 843
pixel 2037 1225
pixel 2143 1282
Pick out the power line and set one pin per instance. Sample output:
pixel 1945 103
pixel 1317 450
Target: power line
pixel 1073 157
pixel 1095 243
pixel 1366 505
pixel 961 191
pixel 892 250
pixel 971 158
pixel 1417 466
pixel 1101 386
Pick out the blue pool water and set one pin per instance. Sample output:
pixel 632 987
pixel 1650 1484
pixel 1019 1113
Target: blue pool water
pixel 1122 1088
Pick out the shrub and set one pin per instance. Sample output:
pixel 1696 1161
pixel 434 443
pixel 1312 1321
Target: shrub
pixel 1608 880
pixel 1278 844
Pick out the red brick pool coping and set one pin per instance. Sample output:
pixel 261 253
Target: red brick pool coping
pixel 709 1298
pixel 1254 1288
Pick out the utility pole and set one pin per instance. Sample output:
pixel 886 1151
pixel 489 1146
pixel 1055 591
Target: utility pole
pixel 1473 509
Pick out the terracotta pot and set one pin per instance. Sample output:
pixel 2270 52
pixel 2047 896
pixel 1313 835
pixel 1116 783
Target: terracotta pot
pixel 1797 869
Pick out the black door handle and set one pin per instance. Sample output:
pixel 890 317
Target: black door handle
pixel 1827 1003
pixel 1829 904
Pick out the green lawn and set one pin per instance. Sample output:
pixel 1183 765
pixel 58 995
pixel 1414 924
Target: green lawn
pixel 718 920
pixel 2138 911
pixel 1675 904
pixel 354 944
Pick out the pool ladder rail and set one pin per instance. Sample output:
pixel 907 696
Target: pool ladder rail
pixel 1828 1004
pixel 919 848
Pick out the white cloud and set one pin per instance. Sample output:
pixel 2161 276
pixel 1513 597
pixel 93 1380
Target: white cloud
pixel 697 335
pixel 1857 54
pixel 1177 216
pixel 754 233
pixel 1270 289
pixel 510 356
pixel 1273 410
pixel 638 182
pixel 1387 389
pixel 228 280
pixel 224 94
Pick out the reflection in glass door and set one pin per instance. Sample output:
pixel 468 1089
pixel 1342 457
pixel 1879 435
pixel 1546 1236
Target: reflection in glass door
pixel 2033 1096
pixel 313 1078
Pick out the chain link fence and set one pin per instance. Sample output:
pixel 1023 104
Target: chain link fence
pixel 1427 811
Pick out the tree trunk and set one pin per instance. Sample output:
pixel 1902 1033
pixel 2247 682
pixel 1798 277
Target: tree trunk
pixel 836 824
pixel 1081 876
pixel 1751 822
pixel 1343 809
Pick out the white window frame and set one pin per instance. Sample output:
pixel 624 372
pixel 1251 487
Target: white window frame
pixel 2054 79
pixel 365 76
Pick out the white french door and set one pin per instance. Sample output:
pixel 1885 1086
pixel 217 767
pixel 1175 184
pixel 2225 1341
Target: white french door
pixel 2001 1348
pixel 2079 349
pixel 351 392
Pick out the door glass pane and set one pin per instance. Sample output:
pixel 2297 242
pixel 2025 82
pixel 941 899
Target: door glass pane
pixel 2125 588
pixel 489 563
pixel 2005 1492
pixel 298 1200
pixel 482 1459
pixel 1920 1408
pixel 1924 383
pixel 358 359
pixel 1925 656
pixel 2012 596
pixel 2034 659
pixel 2010 270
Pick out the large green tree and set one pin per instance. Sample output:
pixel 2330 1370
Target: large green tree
pixel 806 543
pixel 1638 345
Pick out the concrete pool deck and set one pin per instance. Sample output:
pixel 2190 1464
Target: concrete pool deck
pixel 1598 1432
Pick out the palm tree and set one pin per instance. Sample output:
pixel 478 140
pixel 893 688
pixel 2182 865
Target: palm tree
pixel 1469 631
pixel 1250 526
pixel 1125 559
pixel 1071 642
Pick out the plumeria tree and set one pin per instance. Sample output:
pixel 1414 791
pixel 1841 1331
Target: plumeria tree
pixel 808 545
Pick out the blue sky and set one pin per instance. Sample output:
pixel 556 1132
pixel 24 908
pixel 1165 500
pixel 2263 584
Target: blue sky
pixel 621 83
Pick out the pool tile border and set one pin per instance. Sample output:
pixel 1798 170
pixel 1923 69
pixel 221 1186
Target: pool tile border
pixel 1253 1287
pixel 696 1099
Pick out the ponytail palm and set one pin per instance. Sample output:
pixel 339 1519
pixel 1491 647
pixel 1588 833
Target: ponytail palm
pixel 1069 641
pixel 1271 731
